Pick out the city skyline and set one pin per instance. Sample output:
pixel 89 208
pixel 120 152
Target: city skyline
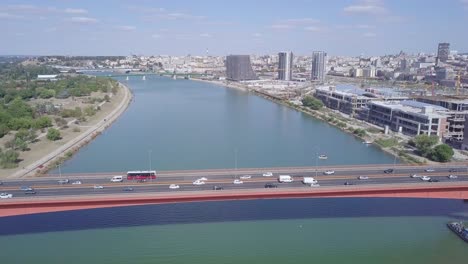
pixel 346 28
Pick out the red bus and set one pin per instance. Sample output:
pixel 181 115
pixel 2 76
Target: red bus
pixel 141 175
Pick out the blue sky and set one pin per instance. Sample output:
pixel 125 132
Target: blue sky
pixel 124 27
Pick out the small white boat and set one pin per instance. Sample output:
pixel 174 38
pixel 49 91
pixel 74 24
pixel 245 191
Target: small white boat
pixel 323 157
pixel 144 78
pixel 367 142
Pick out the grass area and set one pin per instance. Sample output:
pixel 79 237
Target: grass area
pixel 387 143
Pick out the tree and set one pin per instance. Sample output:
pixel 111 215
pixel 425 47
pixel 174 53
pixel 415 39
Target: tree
pixel 312 103
pixel 90 111
pixel 107 98
pixel 442 153
pixel 18 108
pixel 53 134
pixel 424 144
pixel 3 130
pixel 8 159
pixel 43 122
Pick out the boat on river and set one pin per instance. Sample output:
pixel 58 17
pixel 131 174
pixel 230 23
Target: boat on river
pixel 459 229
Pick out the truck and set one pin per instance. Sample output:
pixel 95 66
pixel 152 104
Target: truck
pixel 309 180
pixel 285 178
pixel 117 179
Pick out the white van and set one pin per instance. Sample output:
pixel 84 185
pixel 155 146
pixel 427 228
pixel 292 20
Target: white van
pixel 285 178
pixel 117 179
pixel 309 180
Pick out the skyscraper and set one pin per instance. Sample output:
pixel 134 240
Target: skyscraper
pixel 443 52
pixel 285 63
pixel 318 65
pixel 238 68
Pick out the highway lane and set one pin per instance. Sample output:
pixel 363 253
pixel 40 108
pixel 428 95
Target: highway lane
pixel 227 184
pixel 177 177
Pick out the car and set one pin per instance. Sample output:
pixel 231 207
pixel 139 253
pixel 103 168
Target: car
pixel 267 174
pixel 198 182
pixel 363 178
pixel 202 179
pixel 271 185
pixel 245 177
pixel 117 179
pixel 425 178
pixel 451 176
pixel 1 183
pixel 218 188
pixel 433 180
pixel 429 170
pixel 128 189
pixel 63 181
pixel 26 188
pixel 6 195
pixel 415 176
pixel 141 180
pixel 453 170
pixel 174 186
pixel 348 183
pixel 314 185
pixel 76 182
pixel 388 171
pixel 237 181
pixel 329 172
pixel 30 192
pixel 98 187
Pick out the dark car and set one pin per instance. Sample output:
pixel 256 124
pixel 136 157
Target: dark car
pixel 218 188
pixel 433 180
pixel 348 183
pixel 128 189
pixel 271 185
pixel 30 192
pixel 388 171
pixel 453 170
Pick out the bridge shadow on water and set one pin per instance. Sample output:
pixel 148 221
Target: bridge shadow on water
pixel 220 211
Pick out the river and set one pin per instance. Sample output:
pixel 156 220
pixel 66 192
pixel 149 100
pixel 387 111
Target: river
pixel 183 124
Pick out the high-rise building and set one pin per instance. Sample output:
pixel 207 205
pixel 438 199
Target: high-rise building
pixel 318 65
pixel 238 68
pixel 443 52
pixel 285 63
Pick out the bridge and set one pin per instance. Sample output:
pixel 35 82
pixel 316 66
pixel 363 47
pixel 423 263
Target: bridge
pixel 344 182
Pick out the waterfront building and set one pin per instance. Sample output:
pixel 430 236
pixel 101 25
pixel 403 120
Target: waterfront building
pixel 444 73
pixel 368 72
pixel 464 145
pixel 285 64
pixel 318 66
pixel 409 117
pixel 443 52
pixel 238 68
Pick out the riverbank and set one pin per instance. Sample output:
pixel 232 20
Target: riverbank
pixel 45 155
pixel 373 134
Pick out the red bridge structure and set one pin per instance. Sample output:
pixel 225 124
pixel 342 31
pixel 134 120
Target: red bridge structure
pixel 56 204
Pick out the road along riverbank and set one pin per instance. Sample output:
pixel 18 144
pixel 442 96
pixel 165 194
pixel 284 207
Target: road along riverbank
pixel 66 149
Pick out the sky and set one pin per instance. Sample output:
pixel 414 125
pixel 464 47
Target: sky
pixel 221 27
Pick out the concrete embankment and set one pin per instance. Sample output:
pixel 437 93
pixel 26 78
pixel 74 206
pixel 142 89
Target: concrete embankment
pixel 55 204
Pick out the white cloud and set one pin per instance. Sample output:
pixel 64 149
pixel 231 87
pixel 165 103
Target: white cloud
pixel 369 35
pixel 75 11
pixel 312 29
pixel 51 29
pixel 205 35
pixel 366 7
pixel 305 20
pixel 363 26
pixel 156 36
pixel 257 35
pixel 126 28
pixel 84 20
pixel 4 15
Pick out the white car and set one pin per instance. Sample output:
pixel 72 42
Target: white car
pixel 203 179
pixel 174 186
pixel 267 174
pixel 76 182
pixel 425 178
pixel 236 181
pixel 245 177
pixel 363 178
pixel 6 195
pixel 415 176
pixel 329 172
pixel 451 176
pixel 198 182
pixel 429 170
pixel 315 185
pixel 98 187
